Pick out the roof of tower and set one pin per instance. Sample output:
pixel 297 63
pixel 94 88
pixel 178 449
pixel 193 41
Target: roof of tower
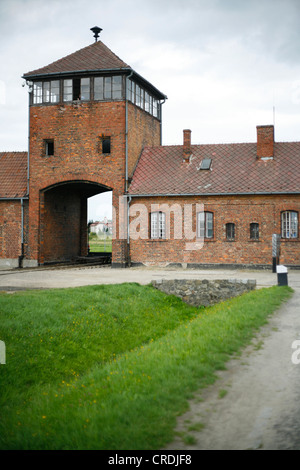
pixel 94 57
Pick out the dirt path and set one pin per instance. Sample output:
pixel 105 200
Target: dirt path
pixel 255 403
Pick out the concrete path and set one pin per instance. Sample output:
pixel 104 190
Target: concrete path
pixel 260 408
pixel 44 278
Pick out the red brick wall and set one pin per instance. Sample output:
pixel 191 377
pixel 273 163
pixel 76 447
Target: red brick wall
pixel 76 130
pixel 264 210
pixel 10 229
pixel 61 232
pixel 144 130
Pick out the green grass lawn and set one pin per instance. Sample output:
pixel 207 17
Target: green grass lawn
pixel 99 245
pixel 110 367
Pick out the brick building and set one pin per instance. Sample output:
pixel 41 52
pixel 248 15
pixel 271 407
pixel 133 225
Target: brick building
pixel 95 126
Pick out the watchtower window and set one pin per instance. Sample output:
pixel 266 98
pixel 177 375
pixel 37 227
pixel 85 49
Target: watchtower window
pixel 107 88
pixel 49 148
pixel 106 145
pixel 51 92
pixel 85 89
pixel 77 89
pixel 37 92
pixel 143 99
pixel 68 90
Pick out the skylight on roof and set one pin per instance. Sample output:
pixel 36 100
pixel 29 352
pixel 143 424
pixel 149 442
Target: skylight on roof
pixel 205 164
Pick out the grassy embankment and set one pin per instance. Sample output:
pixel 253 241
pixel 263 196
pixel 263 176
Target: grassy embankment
pixel 110 367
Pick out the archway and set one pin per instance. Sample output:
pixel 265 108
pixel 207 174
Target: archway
pixel 63 220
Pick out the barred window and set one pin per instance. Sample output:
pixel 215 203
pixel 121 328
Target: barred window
pixel 205 225
pixel 254 231
pixel 158 225
pixel 289 224
pixel 230 231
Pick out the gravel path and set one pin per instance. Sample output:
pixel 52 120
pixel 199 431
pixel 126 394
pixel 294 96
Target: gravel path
pixel 255 403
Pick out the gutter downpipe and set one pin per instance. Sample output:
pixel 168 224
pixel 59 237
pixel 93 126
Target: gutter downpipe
pixel 126 161
pixel 160 110
pixel 30 85
pixel 21 257
pixel 126 132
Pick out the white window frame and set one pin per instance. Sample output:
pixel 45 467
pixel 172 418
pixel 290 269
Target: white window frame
pixel 158 225
pixel 205 225
pixel 289 224
pixel 37 92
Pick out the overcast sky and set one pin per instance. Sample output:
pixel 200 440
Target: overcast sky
pixel 225 65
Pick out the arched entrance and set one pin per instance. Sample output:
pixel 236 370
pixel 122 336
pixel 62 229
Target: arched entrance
pixel 63 220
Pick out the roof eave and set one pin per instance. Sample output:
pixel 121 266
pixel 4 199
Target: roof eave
pixel 149 85
pixel 33 76
pixel 14 198
pixel 258 193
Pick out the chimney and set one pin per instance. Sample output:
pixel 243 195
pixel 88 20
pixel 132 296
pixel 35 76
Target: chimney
pixel 265 142
pixel 187 145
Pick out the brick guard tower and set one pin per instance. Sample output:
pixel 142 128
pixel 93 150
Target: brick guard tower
pixel 90 117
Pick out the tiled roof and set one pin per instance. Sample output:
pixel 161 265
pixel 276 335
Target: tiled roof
pixel 234 169
pixel 13 174
pixel 96 56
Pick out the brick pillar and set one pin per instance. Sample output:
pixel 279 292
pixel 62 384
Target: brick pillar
pixel 120 249
pixel 83 227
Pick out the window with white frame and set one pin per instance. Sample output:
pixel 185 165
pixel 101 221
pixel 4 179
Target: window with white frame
pixel 68 90
pixel 158 225
pixel 37 92
pixel 205 225
pixel 46 92
pixel 289 224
